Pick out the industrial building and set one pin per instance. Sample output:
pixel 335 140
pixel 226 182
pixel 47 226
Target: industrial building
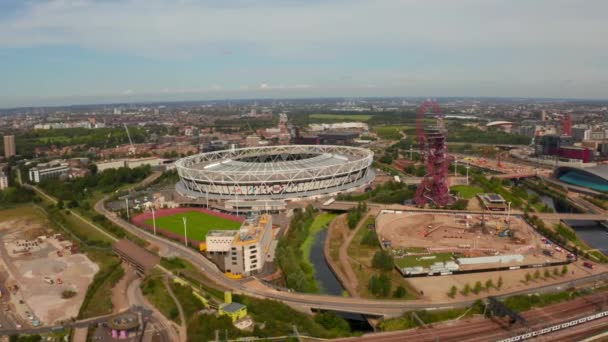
pixel 562 146
pixel 242 252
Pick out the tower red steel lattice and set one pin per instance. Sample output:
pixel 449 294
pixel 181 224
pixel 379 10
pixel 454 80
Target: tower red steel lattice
pixel 434 185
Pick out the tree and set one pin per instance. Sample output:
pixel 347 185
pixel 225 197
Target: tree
pixel 453 291
pixel 380 285
pixel 499 283
pixel 536 274
pixel 478 287
pixel 383 260
pixel 399 292
pixel 466 289
pixel 385 285
pixel 331 321
pixel 547 273
pixel 370 238
pixel 528 277
pixel 564 270
pixel 59 204
pixel 489 284
pixel 555 272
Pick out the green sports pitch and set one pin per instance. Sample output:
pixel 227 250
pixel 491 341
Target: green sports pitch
pixel 198 224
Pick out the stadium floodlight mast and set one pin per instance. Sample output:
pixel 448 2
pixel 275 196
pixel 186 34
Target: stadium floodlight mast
pixel 154 220
pixel 185 231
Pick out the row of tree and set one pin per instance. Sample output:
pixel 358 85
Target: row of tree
pixel 297 275
pixel 355 214
pixel 107 181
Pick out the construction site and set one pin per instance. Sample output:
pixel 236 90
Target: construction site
pixel 451 243
pixel 45 275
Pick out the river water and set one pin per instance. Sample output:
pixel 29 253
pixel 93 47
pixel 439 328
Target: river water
pixel 330 284
pixel 324 275
pixel 592 232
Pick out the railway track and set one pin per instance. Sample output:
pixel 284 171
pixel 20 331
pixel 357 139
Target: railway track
pixel 479 329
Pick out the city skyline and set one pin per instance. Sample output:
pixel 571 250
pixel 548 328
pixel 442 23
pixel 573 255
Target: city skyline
pixel 77 52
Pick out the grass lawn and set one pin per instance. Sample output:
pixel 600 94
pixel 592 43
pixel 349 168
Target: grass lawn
pixel 317 225
pixel 389 132
pixel 193 275
pixel 349 117
pixel 466 191
pixel 156 292
pixel 361 261
pixel 411 261
pixel 198 224
pixel 22 211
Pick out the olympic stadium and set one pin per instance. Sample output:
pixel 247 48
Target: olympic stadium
pixel 595 178
pixel 274 172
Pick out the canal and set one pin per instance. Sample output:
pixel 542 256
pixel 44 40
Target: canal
pixel 591 232
pixel 329 283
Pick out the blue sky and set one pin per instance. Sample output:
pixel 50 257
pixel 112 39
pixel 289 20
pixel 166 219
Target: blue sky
pixel 82 51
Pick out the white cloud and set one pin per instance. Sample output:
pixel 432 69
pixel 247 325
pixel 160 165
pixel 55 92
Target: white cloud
pixel 437 47
pixel 278 27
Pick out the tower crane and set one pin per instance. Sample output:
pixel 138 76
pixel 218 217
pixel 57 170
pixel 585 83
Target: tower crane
pixel 132 148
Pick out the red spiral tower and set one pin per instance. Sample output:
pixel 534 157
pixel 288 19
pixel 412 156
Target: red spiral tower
pixel 434 185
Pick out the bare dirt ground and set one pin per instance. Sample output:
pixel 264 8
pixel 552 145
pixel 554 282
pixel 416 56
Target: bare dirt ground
pixel 449 231
pixel 42 268
pixel 464 233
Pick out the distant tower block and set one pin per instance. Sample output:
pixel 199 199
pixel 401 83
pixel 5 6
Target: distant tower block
pixel 434 186
pixel 9 146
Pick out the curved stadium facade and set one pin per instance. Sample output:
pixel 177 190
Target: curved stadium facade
pixel 595 178
pixel 274 172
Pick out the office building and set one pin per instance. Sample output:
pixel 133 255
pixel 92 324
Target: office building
pixel 242 252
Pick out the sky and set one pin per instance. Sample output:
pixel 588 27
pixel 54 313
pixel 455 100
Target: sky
pixel 57 52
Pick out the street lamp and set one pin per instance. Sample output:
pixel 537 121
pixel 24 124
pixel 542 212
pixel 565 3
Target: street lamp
pixel 509 214
pixel 185 231
pixel 154 220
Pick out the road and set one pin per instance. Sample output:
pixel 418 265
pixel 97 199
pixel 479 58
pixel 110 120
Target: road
pixel 314 301
pixel 158 322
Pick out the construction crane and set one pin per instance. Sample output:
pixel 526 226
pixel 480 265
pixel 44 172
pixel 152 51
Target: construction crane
pixel 132 148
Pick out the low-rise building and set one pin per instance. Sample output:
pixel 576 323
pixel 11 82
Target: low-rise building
pixel 232 309
pixel 130 163
pixel 3 180
pixel 48 170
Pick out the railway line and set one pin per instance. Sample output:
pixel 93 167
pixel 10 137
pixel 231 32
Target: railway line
pixel 479 329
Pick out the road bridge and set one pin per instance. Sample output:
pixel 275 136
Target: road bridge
pixel 372 307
